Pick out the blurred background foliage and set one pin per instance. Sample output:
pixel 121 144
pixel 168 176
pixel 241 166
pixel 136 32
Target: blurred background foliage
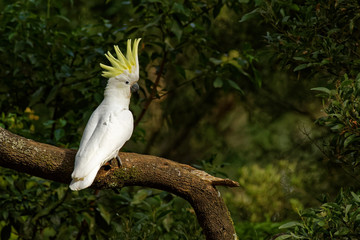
pixel 264 92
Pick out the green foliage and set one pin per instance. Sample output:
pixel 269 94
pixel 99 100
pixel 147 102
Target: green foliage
pixel 342 117
pixel 274 184
pixel 259 231
pixel 52 66
pixel 21 124
pixel 318 41
pixel 317 37
pixel 221 77
pixel 50 84
pixel 32 208
pixel 283 182
pixel 49 66
pixel 333 220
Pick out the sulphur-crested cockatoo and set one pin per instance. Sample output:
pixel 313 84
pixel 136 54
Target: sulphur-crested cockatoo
pixel 111 124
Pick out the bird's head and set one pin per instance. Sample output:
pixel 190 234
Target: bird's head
pixel 125 70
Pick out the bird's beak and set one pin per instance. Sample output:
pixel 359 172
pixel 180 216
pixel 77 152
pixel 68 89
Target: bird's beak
pixel 134 88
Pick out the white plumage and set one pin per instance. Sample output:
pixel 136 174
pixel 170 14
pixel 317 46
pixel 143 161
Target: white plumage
pixel 111 124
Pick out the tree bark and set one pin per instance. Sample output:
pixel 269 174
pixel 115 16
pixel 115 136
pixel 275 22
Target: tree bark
pixel 195 186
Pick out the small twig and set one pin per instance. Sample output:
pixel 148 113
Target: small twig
pixel 153 91
pixel 180 85
pixel 303 131
pixel 197 16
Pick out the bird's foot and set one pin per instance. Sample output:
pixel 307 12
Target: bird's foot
pixel 119 160
pixel 113 163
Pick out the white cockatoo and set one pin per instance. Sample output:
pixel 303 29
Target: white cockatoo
pixel 111 124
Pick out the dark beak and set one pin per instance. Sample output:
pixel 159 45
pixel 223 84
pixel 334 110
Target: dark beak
pixel 134 88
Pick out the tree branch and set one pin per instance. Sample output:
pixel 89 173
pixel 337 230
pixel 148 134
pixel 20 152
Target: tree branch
pixel 195 186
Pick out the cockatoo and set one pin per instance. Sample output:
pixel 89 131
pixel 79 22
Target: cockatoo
pixel 111 124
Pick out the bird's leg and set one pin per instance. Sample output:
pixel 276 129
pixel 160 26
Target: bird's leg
pixel 113 163
pixel 119 160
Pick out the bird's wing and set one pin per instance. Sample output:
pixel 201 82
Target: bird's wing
pixel 90 126
pixel 112 130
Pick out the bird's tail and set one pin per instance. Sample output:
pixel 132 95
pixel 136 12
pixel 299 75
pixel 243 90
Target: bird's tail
pixel 81 183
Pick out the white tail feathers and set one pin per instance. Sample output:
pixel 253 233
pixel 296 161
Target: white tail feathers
pixel 81 183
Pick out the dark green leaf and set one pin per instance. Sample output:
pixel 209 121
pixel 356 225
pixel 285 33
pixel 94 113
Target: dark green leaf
pixel 140 196
pixel 250 15
pixel 356 197
pixel 321 89
pixel 301 67
pixel 52 94
pixel 218 83
pixel 290 225
pixel 59 133
pixel 282 237
pixel 235 86
pixel 36 96
pixel 175 28
pixel 104 213
pixel 6 232
pixel 349 140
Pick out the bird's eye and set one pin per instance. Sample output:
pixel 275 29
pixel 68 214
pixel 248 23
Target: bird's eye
pixel 127 82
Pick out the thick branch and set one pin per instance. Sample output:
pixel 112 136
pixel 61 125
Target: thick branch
pixel 195 186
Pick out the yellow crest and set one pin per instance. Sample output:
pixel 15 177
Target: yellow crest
pixel 122 63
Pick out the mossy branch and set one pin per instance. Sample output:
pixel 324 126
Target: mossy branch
pixel 195 186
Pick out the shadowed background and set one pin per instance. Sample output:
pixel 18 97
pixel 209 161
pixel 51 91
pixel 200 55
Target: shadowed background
pixel 225 87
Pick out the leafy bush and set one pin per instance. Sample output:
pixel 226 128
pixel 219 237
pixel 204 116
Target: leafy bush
pixel 259 231
pixel 319 41
pixel 317 37
pixel 263 183
pixel 333 220
pixel 207 87
pixel 272 192
pixel 49 65
pixel 50 84
pixel 33 208
pixel 342 118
